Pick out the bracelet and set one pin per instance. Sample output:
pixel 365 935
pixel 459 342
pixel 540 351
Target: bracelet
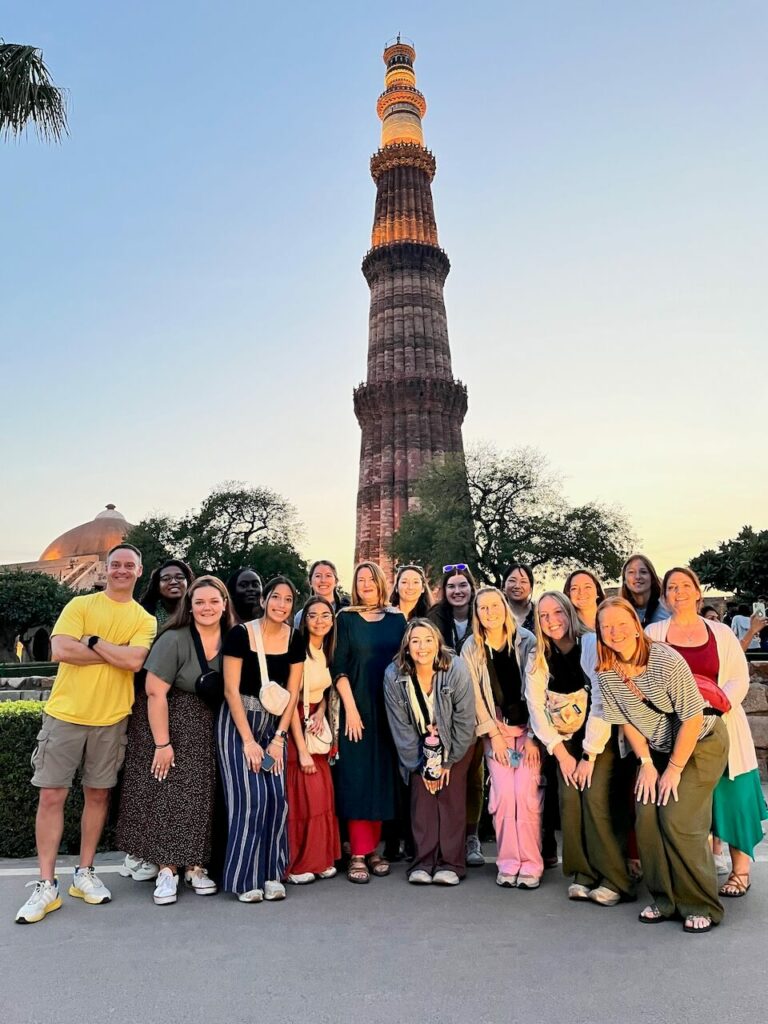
pixel 161 746
pixel 675 765
pixel 277 739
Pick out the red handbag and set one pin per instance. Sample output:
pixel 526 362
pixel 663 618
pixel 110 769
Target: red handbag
pixel 712 695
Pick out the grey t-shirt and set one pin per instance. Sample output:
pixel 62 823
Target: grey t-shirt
pixel 174 660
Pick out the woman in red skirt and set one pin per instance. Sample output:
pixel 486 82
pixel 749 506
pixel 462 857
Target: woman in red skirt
pixel 313 831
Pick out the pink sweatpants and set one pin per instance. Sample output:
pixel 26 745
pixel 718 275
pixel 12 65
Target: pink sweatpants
pixel 516 802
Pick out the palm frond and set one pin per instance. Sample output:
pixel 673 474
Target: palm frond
pixel 28 96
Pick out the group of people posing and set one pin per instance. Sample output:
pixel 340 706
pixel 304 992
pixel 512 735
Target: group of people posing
pixel 263 744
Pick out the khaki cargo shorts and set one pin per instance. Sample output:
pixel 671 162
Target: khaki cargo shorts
pixel 62 747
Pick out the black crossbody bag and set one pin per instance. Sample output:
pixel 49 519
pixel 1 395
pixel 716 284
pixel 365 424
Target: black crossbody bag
pixel 209 685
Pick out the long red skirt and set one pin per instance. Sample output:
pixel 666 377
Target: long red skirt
pixel 313 831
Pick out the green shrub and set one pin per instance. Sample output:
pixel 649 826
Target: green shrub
pixel 20 722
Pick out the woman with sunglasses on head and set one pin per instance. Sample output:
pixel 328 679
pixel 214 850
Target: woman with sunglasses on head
pixel 585 592
pixel 558 696
pixel 313 831
pixel 251 743
pixel 500 658
pixel 431 710
pixel 369 632
pixel 167 799
pixel 717 661
pixel 641 586
pixel 452 615
pixel 650 690
pixel 323 579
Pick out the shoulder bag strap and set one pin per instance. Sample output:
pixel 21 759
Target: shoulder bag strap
pixel 421 701
pixel 634 688
pixel 257 642
pixel 199 650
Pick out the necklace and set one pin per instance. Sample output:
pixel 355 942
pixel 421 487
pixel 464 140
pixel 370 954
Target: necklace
pixel 689 633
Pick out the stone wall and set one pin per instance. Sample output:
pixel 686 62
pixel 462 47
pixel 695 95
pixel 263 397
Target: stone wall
pixel 756 706
pixel 25 687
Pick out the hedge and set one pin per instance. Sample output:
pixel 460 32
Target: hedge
pixel 20 722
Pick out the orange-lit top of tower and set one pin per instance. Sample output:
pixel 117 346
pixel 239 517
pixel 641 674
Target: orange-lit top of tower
pixel 401 106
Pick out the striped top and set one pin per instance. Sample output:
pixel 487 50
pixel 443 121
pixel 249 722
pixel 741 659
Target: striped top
pixel 668 683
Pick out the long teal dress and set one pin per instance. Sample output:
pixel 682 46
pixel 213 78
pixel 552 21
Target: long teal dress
pixel 366 771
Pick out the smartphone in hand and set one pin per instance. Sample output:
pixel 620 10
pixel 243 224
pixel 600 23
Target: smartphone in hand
pixel 758 608
pixel 267 763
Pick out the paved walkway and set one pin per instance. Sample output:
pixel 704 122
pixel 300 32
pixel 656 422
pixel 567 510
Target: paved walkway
pixel 386 953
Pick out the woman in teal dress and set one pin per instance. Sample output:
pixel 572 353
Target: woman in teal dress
pixel 369 635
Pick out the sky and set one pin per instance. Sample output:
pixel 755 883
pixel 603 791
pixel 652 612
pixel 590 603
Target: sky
pixel 181 301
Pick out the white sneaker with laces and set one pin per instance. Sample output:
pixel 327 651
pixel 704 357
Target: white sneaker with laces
pixel 87 886
pixel 252 896
pixel 506 881
pixel 474 852
pixel 167 888
pixel 303 878
pixel 45 898
pixel 200 883
pixel 137 869
pixel 445 877
pixel 330 872
pixel 274 891
pixel 528 882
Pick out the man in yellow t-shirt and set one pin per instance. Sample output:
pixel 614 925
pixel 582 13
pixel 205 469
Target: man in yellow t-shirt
pixel 100 641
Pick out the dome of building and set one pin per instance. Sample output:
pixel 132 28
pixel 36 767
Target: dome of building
pixel 95 538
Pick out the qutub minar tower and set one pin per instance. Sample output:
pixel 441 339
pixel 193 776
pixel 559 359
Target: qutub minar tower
pixel 410 409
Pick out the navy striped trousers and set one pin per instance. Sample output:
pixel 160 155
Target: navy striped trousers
pixel 257 811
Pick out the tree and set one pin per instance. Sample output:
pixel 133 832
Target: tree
pixel 739 565
pixel 155 537
pixel 517 513
pixel 28 599
pixel 28 96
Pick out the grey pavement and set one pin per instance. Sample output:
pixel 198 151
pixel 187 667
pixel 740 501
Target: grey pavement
pixel 378 954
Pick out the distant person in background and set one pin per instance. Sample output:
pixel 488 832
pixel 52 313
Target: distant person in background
pixel 411 593
pixel 323 580
pixel 710 613
pixel 166 589
pixel 585 592
pixel 245 587
pixel 99 641
pixel 452 615
pixel 641 586
pixel 518 590
pixel 746 628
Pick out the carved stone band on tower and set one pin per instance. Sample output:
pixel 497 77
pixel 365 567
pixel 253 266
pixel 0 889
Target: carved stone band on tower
pixel 410 409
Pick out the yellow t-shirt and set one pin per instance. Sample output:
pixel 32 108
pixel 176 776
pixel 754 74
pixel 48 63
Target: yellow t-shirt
pixel 98 694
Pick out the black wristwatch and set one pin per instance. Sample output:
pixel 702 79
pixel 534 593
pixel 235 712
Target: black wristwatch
pixel 92 641
pixel 281 732
pixel 587 757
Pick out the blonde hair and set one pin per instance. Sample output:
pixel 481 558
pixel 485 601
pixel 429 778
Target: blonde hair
pixel 478 630
pixel 403 658
pixel 381 588
pixel 543 642
pixel 605 655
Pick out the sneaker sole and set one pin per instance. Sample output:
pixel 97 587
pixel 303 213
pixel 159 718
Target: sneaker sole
pixel 163 901
pixel 202 892
pixel 274 899
pixel 49 909
pixel 94 901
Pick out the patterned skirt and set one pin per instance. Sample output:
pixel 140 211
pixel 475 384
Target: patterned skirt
pixel 257 840
pixel 169 822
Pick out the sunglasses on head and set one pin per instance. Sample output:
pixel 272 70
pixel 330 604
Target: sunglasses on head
pixel 459 567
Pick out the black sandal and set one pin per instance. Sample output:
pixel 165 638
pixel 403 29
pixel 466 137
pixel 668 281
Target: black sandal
pixel 657 917
pixel 695 931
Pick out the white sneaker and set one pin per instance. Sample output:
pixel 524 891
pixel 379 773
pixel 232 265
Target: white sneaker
pixel 303 878
pixel 45 898
pixel 137 869
pixel 87 886
pixel 604 896
pixel 474 852
pixel 328 873
pixel 252 896
pixel 274 891
pixel 578 892
pixel 506 881
pixel 420 877
pixel 201 884
pixel 167 888
pixel 445 877
pixel 528 882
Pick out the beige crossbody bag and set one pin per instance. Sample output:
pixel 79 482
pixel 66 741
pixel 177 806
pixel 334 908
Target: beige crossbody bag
pixel 273 697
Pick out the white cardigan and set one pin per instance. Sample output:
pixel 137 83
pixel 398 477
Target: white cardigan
pixel 733 679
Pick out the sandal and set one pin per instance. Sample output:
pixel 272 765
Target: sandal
pixel 380 867
pixel 735 886
pixel 654 917
pixel 357 871
pixel 689 927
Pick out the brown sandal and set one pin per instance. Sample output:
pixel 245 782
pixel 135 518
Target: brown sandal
pixel 735 887
pixel 357 871
pixel 378 865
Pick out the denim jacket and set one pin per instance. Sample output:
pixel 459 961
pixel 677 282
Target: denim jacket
pixel 525 649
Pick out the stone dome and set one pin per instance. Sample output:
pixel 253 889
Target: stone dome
pixel 95 538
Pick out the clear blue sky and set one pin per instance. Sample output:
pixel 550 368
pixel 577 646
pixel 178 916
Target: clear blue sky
pixel 180 289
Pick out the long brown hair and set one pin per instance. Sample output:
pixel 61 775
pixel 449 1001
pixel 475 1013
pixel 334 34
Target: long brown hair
pixel 381 586
pixel 444 655
pixel 478 630
pixel 606 656
pixel 543 643
pixel 655 595
pixel 424 602
pixel 183 618
pixel 329 640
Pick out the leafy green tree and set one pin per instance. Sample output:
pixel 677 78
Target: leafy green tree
pixel 739 565
pixel 28 599
pixel 517 513
pixel 28 96
pixel 155 537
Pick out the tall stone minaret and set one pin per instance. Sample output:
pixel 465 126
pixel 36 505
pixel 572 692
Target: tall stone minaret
pixel 410 409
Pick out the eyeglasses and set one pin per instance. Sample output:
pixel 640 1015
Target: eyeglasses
pixel 459 567
pixel 172 579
